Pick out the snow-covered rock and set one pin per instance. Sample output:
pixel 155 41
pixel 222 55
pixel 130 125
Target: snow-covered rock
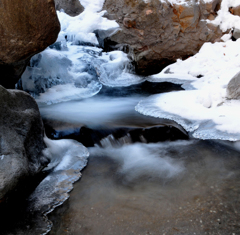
pixel 159 32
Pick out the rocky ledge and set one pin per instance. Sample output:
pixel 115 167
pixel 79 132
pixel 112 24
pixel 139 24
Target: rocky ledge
pixel 158 32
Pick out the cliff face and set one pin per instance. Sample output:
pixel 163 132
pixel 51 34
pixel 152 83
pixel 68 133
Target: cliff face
pixel 26 28
pixel 158 32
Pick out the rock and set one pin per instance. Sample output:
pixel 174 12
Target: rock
pixel 26 28
pixel 71 7
pixel 233 88
pixel 158 33
pixel 236 33
pixel 235 10
pixel 21 139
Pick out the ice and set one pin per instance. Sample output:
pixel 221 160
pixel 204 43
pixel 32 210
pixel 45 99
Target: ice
pixel 203 108
pixel 118 72
pixel 56 76
pixel 62 93
pixel 68 158
pixel 207 115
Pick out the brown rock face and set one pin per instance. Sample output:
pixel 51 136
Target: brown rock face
pixel 71 7
pixel 159 33
pixel 26 28
pixel 236 10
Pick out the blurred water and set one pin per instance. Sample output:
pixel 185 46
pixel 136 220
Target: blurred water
pixel 182 187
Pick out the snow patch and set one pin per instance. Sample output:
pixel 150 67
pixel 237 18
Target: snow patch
pixel 203 109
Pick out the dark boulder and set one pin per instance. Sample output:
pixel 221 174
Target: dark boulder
pixel 21 139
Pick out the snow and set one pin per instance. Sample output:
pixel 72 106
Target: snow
pixel 92 5
pixel 81 27
pixel 203 108
pixel 224 18
pixel 69 69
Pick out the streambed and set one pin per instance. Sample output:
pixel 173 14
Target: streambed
pixel 151 187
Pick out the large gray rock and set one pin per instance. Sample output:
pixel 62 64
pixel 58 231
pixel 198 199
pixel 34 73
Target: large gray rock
pixel 71 7
pixel 21 139
pixel 26 28
pixel 158 33
pixel 233 88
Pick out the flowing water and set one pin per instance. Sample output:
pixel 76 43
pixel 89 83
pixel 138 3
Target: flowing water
pixel 145 187
pixel 144 175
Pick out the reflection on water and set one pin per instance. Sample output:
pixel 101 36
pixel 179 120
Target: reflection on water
pixel 130 190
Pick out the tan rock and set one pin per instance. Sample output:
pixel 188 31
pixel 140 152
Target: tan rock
pixel 168 32
pixel 236 10
pixel 26 28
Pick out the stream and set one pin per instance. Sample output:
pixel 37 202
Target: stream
pixel 136 174
pixel 160 182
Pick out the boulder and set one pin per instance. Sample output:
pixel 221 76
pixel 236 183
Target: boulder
pixel 26 28
pixel 21 139
pixel 235 10
pixel 233 88
pixel 71 7
pixel 157 33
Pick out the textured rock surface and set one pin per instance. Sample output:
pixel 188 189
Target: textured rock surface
pixel 71 7
pixel 235 10
pixel 158 33
pixel 26 28
pixel 233 88
pixel 21 139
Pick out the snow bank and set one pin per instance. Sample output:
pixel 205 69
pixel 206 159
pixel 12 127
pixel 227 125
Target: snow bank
pixel 203 109
pixel 224 18
pixel 92 5
pixel 81 27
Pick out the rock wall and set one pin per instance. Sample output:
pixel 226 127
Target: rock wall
pixel 26 28
pixel 71 7
pixel 158 33
pixel 21 139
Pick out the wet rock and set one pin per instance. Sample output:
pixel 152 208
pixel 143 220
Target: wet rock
pixel 71 7
pixel 233 88
pixel 158 33
pixel 21 140
pixel 26 28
